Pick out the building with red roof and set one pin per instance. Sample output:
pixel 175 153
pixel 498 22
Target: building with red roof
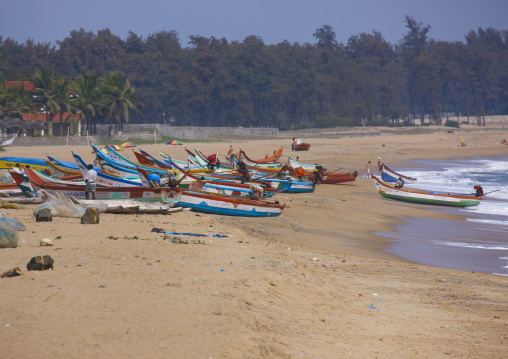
pixel 71 123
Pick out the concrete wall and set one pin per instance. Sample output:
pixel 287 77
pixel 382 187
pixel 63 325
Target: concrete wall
pixel 196 133
pixel 81 140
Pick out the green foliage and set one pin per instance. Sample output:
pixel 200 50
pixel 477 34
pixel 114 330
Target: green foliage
pixel 213 82
pixel 450 123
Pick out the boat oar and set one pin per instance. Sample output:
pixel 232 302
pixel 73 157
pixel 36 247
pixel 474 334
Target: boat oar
pixel 336 170
pixel 491 192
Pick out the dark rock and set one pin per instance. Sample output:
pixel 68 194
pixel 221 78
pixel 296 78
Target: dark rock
pixel 91 216
pixel 40 263
pixel 44 215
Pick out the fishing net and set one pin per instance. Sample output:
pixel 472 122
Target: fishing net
pixel 8 240
pixel 11 225
pixel 5 177
pixel 62 208
pixel 12 205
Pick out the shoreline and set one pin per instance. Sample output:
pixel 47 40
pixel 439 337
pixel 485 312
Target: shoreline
pixel 305 284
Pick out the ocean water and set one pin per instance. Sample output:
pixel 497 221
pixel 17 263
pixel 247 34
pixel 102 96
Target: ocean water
pixel 478 244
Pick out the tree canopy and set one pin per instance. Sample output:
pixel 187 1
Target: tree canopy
pixel 213 82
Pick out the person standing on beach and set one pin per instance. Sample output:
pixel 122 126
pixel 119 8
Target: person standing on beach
pixel 40 192
pixel 229 156
pixel 90 180
pixel 367 167
pixel 379 164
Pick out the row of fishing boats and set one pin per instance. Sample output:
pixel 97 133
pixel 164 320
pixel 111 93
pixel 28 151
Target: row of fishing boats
pixel 241 187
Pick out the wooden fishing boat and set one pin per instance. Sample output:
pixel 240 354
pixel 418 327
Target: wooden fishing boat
pixel 307 167
pixel 259 165
pixel 142 194
pixel 61 171
pixel 23 184
pixel 8 142
pixel 268 160
pixel 301 146
pixel 229 206
pixel 10 189
pixel 334 177
pixel 35 163
pixel 107 180
pixel 425 197
pixel 388 175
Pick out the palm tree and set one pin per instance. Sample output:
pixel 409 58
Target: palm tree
pixel 118 97
pixel 87 96
pixel 16 101
pixel 63 99
pixel 45 93
pixel 3 95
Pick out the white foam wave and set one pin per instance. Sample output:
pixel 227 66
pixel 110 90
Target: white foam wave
pixel 473 246
pixel 489 221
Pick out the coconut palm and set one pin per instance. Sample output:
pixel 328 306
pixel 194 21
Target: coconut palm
pixel 45 93
pixel 119 98
pixel 16 101
pixel 87 97
pixel 62 86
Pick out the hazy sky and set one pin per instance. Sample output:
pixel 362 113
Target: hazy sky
pixel 272 20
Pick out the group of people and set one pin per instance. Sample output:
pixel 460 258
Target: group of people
pixel 367 167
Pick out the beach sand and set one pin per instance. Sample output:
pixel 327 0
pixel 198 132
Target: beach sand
pixel 312 283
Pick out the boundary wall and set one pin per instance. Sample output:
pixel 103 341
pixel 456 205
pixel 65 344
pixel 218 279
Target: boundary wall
pixel 196 133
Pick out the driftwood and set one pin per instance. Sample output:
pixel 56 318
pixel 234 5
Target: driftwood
pixel 14 272
pixel 40 263
pixel 21 200
pixel 127 206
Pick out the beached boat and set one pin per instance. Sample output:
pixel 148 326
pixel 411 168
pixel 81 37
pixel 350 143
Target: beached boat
pixel 334 177
pixel 257 164
pixel 268 160
pixel 23 184
pixel 301 146
pixel 35 163
pixel 8 142
pixel 425 197
pixel 389 175
pixel 230 206
pixel 60 171
pixel 142 194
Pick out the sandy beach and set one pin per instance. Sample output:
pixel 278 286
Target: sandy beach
pixel 312 283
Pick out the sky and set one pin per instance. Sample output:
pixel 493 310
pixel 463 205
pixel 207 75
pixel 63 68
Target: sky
pixel 274 21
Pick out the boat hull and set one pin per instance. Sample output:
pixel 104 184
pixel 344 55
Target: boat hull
pixel 425 197
pixel 228 206
pixel 302 147
pixel 388 175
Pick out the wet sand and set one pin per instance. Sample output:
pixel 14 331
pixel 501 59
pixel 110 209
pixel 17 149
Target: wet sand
pixel 311 283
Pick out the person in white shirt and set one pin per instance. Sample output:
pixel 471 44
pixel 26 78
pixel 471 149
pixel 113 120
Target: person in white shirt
pixel 91 181
pixel 16 168
pixel 38 194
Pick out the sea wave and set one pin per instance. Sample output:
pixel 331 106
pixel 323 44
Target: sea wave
pixel 488 221
pixel 495 247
